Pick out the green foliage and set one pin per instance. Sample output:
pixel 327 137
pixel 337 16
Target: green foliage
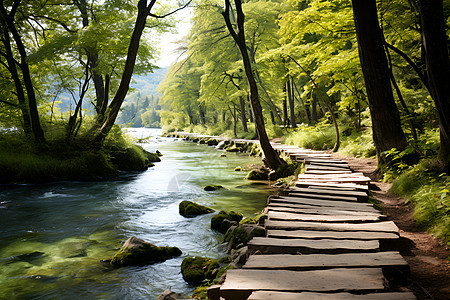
pixel 427 190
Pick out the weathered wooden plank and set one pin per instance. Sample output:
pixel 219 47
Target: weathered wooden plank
pixel 327 261
pixel 344 235
pixel 306 246
pixel 273 295
pixel 323 172
pixel 329 164
pixel 336 175
pixel 289 216
pixel 325 211
pixel 302 180
pixel 356 206
pixel 322 196
pixel 338 206
pixel 241 283
pixel 327 168
pixel 385 226
pixel 335 185
pixel 329 191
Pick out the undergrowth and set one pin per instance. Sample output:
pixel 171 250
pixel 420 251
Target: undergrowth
pixel 428 191
pixel 23 162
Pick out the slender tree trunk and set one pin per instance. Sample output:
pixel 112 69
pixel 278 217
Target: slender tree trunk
pixel 243 114
pixel 17 82
pixel 36 128
pixel 271 156
pixel 386 125
pixel 100 131
pixel 285 113
pixel 437 61
pixel 291 102
pixel 313 108
pixel 305 108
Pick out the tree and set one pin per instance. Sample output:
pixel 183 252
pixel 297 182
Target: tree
pixel 271 156
pixel 386 125
pixel 437 62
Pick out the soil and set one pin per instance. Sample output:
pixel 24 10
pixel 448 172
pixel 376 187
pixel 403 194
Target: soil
pixel 428 258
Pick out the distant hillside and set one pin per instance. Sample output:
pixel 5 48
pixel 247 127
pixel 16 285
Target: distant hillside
pixel 145 85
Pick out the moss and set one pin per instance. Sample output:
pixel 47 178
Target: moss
pixel 238 169
pixel 142 253
pixel 257 175
pixel 212 187
pixel 196 269
pixel 200 293
pixel 217 221
pixel 190 209
pixel 242 234
pixel 283 171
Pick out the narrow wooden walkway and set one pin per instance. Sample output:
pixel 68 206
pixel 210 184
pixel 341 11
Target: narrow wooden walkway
pixel 324 241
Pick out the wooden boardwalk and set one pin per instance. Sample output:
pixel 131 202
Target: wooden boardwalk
pixel 323 241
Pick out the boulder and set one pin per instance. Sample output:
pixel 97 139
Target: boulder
pixel 224 220
pixel 242 234
pixel 212 187
pixel 239 257
pixel 136 252
pixel 257 175
pixel 196 269
pixel 192 209
pixel 168 295
pixel 158 153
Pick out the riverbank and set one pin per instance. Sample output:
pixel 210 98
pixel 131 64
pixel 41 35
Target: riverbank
pixel 22 162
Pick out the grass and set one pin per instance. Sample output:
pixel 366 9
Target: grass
pixel 22 162
pixel 428 191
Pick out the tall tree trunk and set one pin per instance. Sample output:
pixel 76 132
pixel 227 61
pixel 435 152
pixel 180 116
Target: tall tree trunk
pixel 101 130
pixel 243 114
pixel 305 108
pixel 437 62
pixel 285 113
pixel 290 96
pixel 271 156
pixel 17 82
pixel 386 125
pixel 313 108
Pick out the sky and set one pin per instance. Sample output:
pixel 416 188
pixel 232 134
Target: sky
pixel 167 40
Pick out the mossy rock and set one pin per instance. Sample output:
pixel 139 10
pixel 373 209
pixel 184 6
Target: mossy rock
pixel 196 269
pixel 135 252
pixel 200 293
pixel 224 220
pixel 242 234
pixel 238 169
pixel 257 175
pixel 158 153
pixel 212 142
pixel 192 209
pixel 284 171
pixel 153 157
pixel 212 187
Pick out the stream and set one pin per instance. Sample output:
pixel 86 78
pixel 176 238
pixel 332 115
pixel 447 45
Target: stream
pixel 53 236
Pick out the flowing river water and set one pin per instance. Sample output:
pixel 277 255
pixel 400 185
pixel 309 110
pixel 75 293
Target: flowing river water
pixel 53 236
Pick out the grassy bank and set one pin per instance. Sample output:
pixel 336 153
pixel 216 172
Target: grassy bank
pixel 22 162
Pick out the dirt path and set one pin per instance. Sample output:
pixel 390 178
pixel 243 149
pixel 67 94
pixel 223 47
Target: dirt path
pixel 428 259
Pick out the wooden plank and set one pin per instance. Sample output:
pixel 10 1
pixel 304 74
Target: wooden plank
pixel 327 261
pixel 307 246
pixel 241 283
pixel 385 226
pixel 322 202
pixel 329 191
pixel 337 175
pixel 327 168
pixel 289 216
pixel 325 211
pixel 345 235
pixel 334 197
pixel 321 172
pixel 329 184
pixel 329 164
pixel 272 295
pixel 338 206
pixel 363 180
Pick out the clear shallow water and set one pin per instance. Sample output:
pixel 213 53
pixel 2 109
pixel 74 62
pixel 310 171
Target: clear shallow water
pixel 53 236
